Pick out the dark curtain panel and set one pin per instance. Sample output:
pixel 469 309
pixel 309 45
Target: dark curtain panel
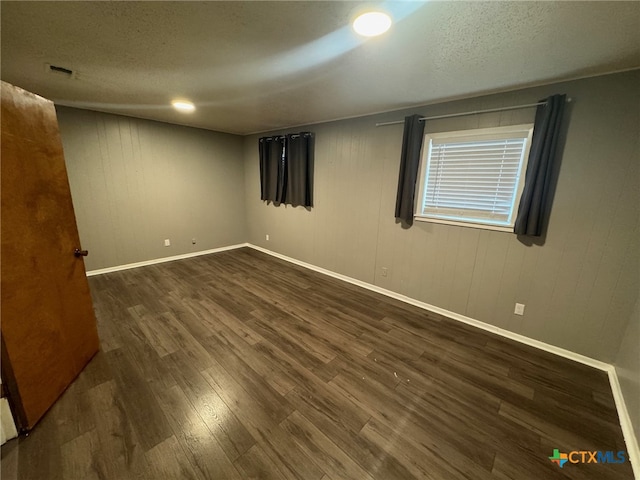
pixel 272 172
pixel 286 169
pixel 536 193
pixel 409 166
pixel 299 158
pixel 281 190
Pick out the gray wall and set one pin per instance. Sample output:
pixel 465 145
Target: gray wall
pixel 579 288
pixel 136 182
pixel 628 368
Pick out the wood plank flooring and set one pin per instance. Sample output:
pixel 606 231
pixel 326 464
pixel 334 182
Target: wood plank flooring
pixel 241 366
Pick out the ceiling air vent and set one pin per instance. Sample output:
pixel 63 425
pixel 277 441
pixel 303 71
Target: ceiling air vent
pixel 58 70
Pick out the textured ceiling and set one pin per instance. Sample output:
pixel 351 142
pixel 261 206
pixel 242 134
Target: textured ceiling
pixel 257 66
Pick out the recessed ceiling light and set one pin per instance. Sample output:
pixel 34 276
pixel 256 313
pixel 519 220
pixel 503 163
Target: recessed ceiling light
pixel 371 24
pixel 183 106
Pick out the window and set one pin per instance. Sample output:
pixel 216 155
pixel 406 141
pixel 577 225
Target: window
pixel 473 177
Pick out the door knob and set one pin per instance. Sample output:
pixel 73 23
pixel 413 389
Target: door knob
pixel 80 253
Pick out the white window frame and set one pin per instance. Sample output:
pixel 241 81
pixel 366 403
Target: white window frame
pixel 461 219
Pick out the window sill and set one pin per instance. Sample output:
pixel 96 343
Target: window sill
pixel 482 226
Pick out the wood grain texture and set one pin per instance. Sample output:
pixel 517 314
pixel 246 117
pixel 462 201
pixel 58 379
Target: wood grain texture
pixel 579 283
pixel 48 325
pixel 282 373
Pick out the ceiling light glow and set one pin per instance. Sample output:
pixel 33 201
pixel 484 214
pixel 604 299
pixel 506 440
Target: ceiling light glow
pixel 183 106
pixel 372 23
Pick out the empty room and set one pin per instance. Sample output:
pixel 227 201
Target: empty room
pixel 315 240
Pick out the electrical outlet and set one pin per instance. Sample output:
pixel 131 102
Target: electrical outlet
pixel 519 310
pixel 267 237
pixel 193 241
pixel 384 271
pixel 167 242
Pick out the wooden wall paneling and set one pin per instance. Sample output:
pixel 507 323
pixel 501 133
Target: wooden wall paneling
pixel 137 182
pixel 569 279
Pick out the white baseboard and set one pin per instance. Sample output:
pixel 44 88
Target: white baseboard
pixel 592 362
pixel 155 261
pixel 623 414
pixel 630 438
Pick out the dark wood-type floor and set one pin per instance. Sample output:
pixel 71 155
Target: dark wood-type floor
pixel 238 365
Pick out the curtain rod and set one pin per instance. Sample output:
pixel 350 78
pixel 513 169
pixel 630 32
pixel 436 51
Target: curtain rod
pixel 291 135
pixel 464 114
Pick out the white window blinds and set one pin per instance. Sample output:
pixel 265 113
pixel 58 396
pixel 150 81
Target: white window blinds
pixel 474 176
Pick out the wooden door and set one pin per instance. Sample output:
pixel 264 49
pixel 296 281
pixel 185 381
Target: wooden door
pixel 48 324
